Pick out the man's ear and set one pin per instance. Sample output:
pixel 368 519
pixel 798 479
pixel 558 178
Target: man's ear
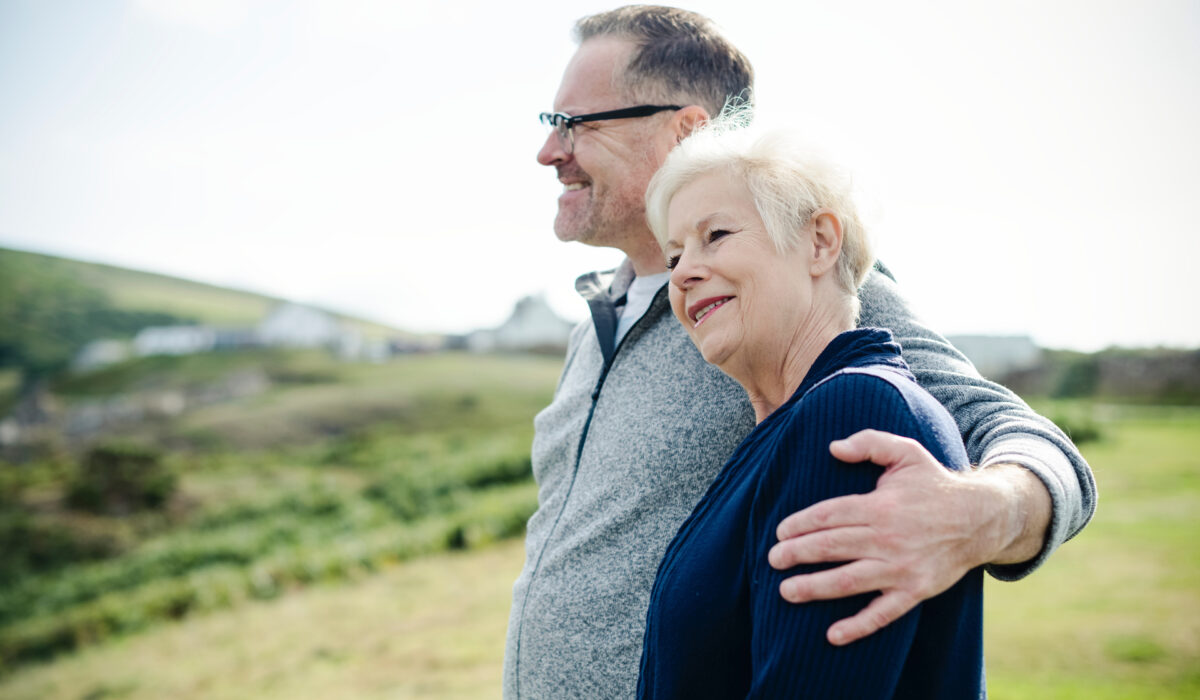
pixel 826 230
pixel 688 120
pixel 683 123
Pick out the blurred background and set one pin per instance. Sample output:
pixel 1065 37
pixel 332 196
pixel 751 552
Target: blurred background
pixel 280 295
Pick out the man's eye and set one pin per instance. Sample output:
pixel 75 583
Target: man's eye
pixel 672 262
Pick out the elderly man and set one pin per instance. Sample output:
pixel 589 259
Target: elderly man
pixel 640 424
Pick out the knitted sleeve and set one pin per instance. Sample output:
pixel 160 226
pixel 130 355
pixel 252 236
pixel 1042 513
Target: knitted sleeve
pixel 790 655
pixel 996 425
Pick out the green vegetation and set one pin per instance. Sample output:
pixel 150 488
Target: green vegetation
pixel 333 472
pixel 133 290
pixel 1117 375
pixel 119 478
pixel 1113 613
pixel 47 314
pixel 432 627
pixel 1111 616
pixel 314 528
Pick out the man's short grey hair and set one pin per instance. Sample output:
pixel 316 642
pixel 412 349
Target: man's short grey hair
pixel 680 56
pixel 788 182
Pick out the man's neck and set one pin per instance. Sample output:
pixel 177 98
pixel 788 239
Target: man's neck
pixel 646 256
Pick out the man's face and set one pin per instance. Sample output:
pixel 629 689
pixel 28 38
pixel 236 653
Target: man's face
pixel 605 179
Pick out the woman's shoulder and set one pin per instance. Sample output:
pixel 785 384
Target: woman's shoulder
pixel 850 386
pixel 878 397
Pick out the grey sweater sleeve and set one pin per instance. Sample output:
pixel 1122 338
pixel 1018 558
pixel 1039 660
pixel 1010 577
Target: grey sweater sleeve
pixel 996 425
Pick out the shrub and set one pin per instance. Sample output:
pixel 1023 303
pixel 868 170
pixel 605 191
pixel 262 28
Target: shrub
pixel 31 545
pixel 119 478
pixel 1080 429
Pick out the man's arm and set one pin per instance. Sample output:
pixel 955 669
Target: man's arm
pixel 921 529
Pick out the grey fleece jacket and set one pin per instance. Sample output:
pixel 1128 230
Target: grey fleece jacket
pixel 633 438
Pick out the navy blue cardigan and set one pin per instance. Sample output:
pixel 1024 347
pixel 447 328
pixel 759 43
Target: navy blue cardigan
pixel 717 626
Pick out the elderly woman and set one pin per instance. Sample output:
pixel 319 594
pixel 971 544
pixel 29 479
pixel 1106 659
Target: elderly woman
pixel 766 252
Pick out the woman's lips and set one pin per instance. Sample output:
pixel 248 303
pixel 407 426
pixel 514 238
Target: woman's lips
pixel 701 310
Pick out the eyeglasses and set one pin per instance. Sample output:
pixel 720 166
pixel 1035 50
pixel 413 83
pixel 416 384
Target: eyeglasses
pixel 564 124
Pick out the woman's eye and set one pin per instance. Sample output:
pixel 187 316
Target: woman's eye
pixel 719 233
pixel 672 262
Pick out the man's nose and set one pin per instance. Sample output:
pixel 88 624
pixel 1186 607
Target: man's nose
pixel 552 152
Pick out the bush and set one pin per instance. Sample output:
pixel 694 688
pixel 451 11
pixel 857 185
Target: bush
pixel 31 545
pixel 120 478
pixel 1080 429
pixel 44 619
pixel 1080 378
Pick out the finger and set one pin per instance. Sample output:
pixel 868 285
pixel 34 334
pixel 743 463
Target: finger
pixel 862 576
pixel 884 449
pixel 881 612
pixel 839 544
pixel 843 511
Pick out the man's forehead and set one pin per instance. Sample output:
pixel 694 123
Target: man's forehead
pixel 589 81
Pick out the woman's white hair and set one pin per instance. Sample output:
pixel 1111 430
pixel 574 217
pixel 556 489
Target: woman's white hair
pixel 787 180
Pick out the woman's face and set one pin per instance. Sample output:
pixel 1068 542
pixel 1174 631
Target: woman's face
pixel 741 300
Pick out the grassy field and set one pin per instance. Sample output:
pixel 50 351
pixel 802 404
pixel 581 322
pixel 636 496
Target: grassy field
pixel 432 628
pixel 1115 614
pixel 336 471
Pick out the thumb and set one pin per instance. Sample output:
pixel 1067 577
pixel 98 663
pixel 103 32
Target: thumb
pixel 884 449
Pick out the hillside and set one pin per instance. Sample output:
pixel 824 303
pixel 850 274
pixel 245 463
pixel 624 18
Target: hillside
pixel 51 306
pixel 136 290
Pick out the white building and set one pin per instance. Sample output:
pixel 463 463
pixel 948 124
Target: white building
pixel 533 325
pixel 174 340
pixel 101 353
pixel 296 325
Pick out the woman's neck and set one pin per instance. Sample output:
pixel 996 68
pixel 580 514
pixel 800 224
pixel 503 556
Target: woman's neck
pixel 771 378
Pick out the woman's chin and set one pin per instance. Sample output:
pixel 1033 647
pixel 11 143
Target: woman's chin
pixel 714 353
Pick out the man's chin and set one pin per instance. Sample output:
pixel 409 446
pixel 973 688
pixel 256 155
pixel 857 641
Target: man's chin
pixel 570 229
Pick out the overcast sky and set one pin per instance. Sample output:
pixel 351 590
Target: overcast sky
pixel 1032 166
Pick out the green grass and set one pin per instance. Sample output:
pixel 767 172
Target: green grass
pixel 430 628
pixel 179 579
pixel 337 470
pixel 1115 614
pixel 145 291
pixel 399 496
pixel 411 394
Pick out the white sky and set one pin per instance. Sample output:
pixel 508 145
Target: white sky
pixel 1031 164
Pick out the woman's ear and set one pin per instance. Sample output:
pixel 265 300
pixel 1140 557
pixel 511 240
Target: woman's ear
pixel 826 241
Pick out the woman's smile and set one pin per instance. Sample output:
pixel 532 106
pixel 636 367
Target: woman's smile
pixel 701 310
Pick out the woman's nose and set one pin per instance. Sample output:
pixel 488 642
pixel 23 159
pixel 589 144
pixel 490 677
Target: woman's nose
pixel 688 271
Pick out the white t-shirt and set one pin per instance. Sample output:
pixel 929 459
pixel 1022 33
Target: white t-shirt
pixel 637 300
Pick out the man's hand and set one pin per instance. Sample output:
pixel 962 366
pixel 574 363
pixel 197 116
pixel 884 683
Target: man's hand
pixel 911 538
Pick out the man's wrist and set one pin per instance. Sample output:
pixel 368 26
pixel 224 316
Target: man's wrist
pixel 1019 531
